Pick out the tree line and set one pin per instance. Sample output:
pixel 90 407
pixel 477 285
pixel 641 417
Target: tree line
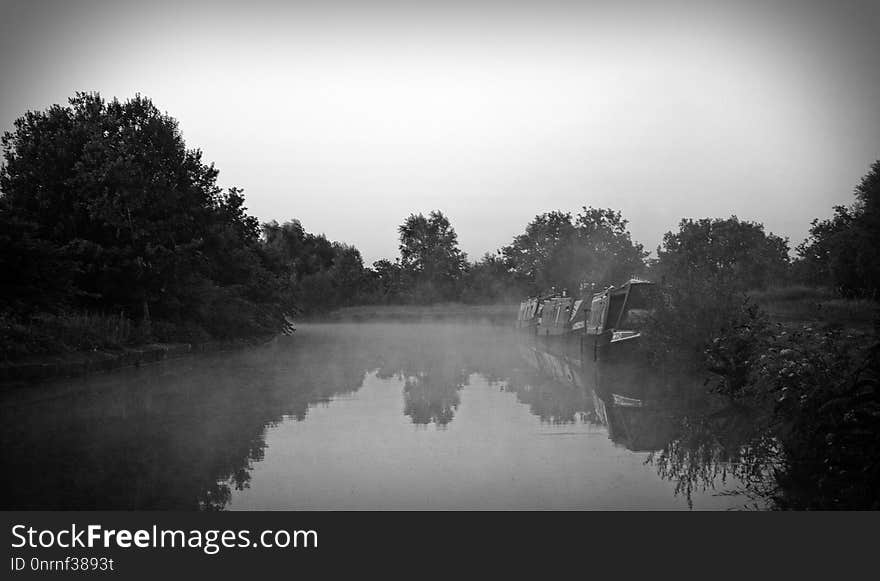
pixel 104 210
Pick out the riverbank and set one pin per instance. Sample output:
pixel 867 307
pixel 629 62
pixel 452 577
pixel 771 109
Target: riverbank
pixel 790 305
pixel 39 368
pixel 494 313
pixel 817 307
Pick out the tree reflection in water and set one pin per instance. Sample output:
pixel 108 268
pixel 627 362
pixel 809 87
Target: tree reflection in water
pixel 433 370
pixel 178 435
pixel 710 450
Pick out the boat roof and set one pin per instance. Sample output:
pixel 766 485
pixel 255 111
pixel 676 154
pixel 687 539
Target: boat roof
pixel 622 288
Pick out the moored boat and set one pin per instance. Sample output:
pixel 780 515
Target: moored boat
pixel 618 314
pixel 613 317
pixel 527 318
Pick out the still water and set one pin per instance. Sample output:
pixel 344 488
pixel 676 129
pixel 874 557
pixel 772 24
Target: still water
pixel 360 416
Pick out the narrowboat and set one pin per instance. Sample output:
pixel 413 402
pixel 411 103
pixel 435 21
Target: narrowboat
pixel 618 314
pixel 553 316
pixel 614 316
pixel 528 314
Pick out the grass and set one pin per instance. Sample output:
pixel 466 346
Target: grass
pixel 805 304
pixel 51 333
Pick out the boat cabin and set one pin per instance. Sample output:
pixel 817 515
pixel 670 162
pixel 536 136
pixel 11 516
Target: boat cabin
pixel 555 317
pixel 622 311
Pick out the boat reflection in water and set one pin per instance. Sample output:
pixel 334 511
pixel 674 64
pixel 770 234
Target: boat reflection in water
pixel 696 440
pixel 625 398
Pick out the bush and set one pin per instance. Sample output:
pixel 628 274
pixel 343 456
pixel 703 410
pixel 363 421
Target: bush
pixel 814 394
pixel 822 388
pixel 687 321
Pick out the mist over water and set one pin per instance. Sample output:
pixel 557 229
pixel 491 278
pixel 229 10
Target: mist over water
pixel 378 415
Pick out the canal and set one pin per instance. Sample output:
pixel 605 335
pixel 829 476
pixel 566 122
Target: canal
pixel 430 415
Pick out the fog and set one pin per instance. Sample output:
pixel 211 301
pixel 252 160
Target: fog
pixel 422 414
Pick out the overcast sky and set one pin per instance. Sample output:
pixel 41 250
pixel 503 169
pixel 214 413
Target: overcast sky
pixel 352 115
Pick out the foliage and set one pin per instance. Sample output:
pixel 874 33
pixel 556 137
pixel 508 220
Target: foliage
pixel 818 393
pixel 430 257
pixel 845 249
pixel 729 252
pixel 35 274
pixel 319 274
pixel 685 321
pixel 540 256
pixel 706 267
pixel 491 280
pixel 113 213
pixel 387 281
pixel 561 252
pixel 293 249
pixel 809 395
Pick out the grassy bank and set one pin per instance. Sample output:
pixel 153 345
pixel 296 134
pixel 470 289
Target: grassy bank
pixel 816 306
pixel 37 368
pixel 47 346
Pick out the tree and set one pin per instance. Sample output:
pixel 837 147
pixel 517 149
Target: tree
pixel 491 279
pixel 388 280
pixel 347 272
pixel 605 252
pixel 540 255
pixel 110 188
pixel 320 274
pixel 430 256
pixel 730 252
pixel 35 275
pixel 556 251
pixel 821 261
pixel 707 266
pixel 301 253
pixel 845 250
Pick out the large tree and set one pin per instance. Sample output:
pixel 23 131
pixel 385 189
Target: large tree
pixel 732 252
pixel 558 251
pixel 844 251
pixel 430 256
pixel 110 188
pixel 541 256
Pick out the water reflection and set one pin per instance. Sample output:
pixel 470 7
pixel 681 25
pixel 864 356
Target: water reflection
pixel 552 385
pixel 697 440
pixel 177 435
pixel 431 372
pixel 195 433
pixel 633 402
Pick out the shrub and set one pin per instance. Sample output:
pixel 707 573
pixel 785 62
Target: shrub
pixel 822 387
pixel 687 321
